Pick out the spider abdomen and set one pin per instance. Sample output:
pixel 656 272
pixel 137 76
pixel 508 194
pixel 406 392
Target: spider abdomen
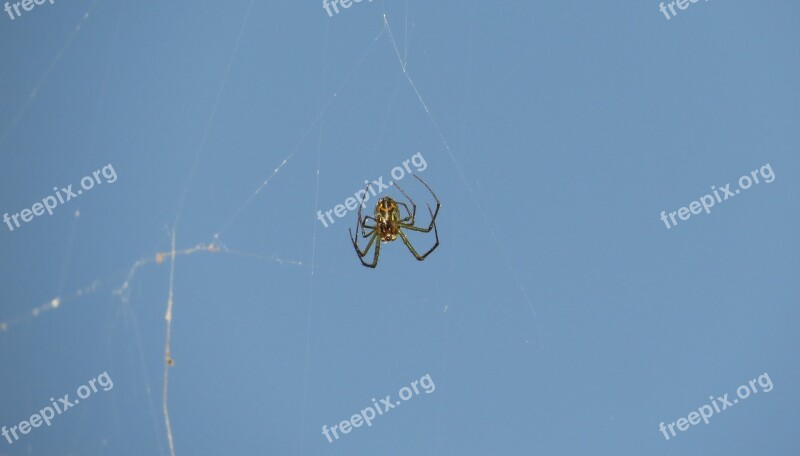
pixel 387 216
pixel 388 233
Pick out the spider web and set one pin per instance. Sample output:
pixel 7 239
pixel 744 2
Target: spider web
pixel 125 297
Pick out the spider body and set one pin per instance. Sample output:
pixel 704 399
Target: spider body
pixel 387 219
pixel 389 223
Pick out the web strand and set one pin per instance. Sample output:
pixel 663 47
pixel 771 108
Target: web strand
pixel 168 361
pixel 216 245
pixel 130 315
pixel 47 72
pixel 308 130
pixel 457 165
pixel 313 246
pixel 213 113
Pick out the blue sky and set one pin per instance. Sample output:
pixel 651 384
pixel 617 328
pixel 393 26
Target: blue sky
pixel 559 315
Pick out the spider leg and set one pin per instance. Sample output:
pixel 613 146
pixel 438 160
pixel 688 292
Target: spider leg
pixel 363 222
pixel 365 226
pixel 410 217
pixel 377 252
pixel 372 234
pixel 361 254
pixel 362 204
pixel 438 203
pixel 411 247
pixel 354 240
pixel 411 214
pixel 422 230
pixel 367 234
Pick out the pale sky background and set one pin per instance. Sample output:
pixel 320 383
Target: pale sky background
pixel 558 316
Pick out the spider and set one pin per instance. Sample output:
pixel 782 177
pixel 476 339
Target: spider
pixel 388 225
